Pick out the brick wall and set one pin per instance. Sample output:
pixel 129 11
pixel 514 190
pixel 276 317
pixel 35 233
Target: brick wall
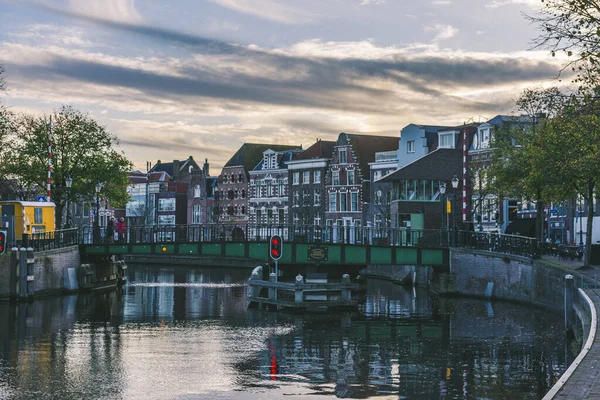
pixel 5 266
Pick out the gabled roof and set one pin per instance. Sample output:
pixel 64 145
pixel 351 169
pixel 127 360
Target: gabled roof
pixel 321 149
pixel 365 147
pixel 249 155
pixel 282 159
pixel 168 166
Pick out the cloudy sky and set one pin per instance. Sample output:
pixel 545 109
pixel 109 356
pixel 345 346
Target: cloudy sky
pixel 173 78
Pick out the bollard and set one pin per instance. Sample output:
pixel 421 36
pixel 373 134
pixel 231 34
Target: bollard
pixel 346 291
pixel 569 292
pixel 254 290
pixel 299 293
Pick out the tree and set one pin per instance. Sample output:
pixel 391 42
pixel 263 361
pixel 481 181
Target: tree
pixel 572 27
pixel 518 166
pixel 571 143
pixel 81 149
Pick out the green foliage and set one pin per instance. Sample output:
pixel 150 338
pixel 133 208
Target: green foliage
pixel 81 148
pixel 573 28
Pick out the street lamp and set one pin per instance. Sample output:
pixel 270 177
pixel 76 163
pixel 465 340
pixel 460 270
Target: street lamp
pixel 442 200
pixel 97 216
pixel 68 182
pixel 454 187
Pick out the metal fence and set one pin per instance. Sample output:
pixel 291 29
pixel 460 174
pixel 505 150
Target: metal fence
pixel 51 240
pixel 258 233
pixel 495 242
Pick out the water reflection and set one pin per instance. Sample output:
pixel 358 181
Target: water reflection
pixel 187 333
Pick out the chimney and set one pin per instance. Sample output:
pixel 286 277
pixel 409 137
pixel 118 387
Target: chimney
pixel 206 167
pixel 176 170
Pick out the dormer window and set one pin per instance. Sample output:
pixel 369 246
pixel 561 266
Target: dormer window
pixel 447 140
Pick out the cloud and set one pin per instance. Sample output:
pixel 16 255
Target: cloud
pixel 273 10
pixel 535 4
pixel 372 2
pixel 442 32
pixel 116 10
pixel 441 2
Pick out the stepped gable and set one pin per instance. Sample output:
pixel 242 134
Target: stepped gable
pixel 365 147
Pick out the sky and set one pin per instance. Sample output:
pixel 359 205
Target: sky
pixel 174 78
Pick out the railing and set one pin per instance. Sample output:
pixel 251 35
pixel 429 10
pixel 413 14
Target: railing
pixel 258 233
pixel 495 242
pixel 430 238
pixel 52 240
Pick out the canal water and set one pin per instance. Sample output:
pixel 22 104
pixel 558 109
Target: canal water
pixel 186 333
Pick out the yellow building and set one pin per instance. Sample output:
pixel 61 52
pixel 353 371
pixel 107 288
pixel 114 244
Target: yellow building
pixel 28 216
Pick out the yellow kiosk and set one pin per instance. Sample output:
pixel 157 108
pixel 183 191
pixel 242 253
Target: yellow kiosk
pixel 28 216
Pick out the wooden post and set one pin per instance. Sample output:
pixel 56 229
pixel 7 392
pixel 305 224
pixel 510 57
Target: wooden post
pixel 22 273
pixel 299 298
pixel 272 290
pixel 569 293
pixel 346 292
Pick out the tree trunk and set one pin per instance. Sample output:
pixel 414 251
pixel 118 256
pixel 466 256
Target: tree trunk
pixel 539 220
pixel 590 220
pixel 58 215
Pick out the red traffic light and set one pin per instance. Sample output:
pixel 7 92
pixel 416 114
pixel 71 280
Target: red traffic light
pixel 2 242
pixel 275 245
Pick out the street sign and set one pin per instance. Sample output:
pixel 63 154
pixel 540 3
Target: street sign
pixel 448 206
pixel 317 253
pixel 554 211
pixel 41 199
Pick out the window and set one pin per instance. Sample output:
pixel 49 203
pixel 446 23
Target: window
pixel 269 216
pixel 343 158
pixel 229 210
pixel 197 214
pixel 306 177
pixel 296 178
pixel 317 177
pixel 410 146
pixel 281 219
pixel 332 202
pixel 243 193
pixel 343 198
pixel 235 210
pixel 197 191
pixel 258 193
pixel 317 219
pixel 354 201
pixel 166 204
pixel 335 177
pixel 224 179
pixel 317 197
pixel 296 198
pixel 243 210
pixel 305 197
pixel 446 140
pixel 378 196
pixel 240 178
pixel 166 220
pixel 236 194
pixel 37 215
pixel 280 190
pixel 351 177
pixel 377 175
pixel 230 194
pixel 270 190
pixel 258 216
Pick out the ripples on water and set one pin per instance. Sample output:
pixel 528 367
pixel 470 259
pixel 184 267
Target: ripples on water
pixel 180 333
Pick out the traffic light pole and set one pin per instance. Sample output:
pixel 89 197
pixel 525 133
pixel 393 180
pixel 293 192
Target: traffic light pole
pixel 276 270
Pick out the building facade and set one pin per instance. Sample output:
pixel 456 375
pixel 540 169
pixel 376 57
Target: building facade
pixel 306 181
pixel 201 199
pixel 379 214
pixel 268 190
pixel 347 187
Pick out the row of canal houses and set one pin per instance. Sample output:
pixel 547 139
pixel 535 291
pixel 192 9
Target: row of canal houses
pixel 357 181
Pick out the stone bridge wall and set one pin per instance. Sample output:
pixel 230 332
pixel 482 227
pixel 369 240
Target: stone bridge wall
pixel 514 278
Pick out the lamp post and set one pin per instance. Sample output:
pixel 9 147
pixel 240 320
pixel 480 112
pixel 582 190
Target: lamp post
pixel 454 187
pixel 68 182
pixel 443 201
pixel 97 216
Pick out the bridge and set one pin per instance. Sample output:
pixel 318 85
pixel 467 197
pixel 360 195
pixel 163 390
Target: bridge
pixel 302 244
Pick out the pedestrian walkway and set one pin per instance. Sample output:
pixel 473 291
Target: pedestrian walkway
pixel 591 275
pixel 584 383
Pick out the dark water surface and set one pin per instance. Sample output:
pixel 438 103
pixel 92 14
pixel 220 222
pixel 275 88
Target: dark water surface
pixel 181 333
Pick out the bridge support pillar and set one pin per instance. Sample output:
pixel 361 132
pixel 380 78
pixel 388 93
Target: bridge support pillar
pixel 569 295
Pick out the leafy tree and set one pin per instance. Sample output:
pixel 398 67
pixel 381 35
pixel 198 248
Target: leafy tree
pixel 81 149
pixel 571 143
pixel 518 166
pixel 572 27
